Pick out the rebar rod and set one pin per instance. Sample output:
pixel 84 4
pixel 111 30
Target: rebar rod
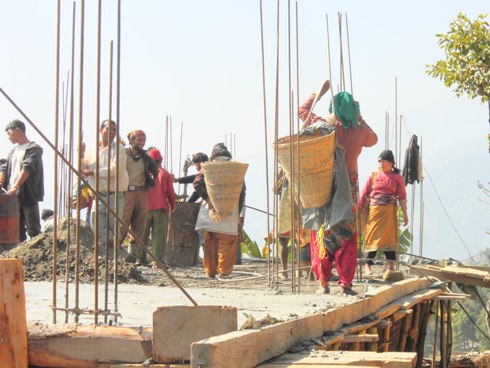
pixel 348 53
pixel 80 140
pixel 97 163
pixel 108 218
pixel 56 120
pixel 70 159
pixel 297 199
pixel 118 123
pixel 329 65
pixel 276 157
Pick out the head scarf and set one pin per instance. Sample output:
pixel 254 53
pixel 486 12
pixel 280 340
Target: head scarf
pixel 220 150
pixel 346 109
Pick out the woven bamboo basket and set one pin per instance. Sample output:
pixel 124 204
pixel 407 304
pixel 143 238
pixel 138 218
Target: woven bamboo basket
pixel 316 161
pixel 224 182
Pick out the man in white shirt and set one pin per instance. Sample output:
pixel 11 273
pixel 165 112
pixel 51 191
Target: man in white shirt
pixel 109 173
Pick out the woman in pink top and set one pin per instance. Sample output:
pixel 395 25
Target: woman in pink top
pixel 385 188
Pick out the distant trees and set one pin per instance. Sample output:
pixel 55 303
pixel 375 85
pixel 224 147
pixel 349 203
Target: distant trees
pixel 467 63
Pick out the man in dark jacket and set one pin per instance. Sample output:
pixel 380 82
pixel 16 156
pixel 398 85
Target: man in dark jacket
pixel 22 175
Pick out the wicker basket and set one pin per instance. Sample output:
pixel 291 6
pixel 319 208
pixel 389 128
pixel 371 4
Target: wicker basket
pixel 224 182
pixel 316 167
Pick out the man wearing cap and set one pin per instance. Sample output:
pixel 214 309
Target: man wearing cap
pixel 142 171
pixel 161 200
pixel 111 174
pixel 22 175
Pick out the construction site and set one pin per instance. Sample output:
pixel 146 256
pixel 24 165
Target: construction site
pixel 317 252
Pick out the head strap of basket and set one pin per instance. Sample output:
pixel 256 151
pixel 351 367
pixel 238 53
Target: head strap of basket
pixel 224 183
pixel 316 160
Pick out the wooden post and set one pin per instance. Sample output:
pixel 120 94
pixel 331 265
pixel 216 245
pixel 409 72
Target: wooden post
pixel 13 329
pixel 372 346
pixel 406 322
pixel 425 315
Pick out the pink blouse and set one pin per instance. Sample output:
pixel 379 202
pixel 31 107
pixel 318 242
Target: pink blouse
pixel 384 189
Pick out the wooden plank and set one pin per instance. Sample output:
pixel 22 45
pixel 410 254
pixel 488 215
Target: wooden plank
pixel 175 328
pixel 86 346
pixel 251 348
pixel 13 328
pixel 451 297
pixel 448 276
pixel 341 358
pixel 361 338
pixel 323 365
pixel 105 365
pixel 334 340
pixel 407 302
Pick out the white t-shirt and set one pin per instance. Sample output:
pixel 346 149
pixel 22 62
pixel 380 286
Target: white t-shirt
pixel 16 162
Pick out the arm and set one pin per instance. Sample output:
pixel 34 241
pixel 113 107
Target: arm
pixel 402 198
pixel 14 188
pixel 304 110
pixel 3 177
pixel 365 192
pixel 186 179
pixel 200 186
pixel 170 191
pixel 370 137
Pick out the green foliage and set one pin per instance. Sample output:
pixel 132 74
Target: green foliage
pixel 250 247
pixel 466 337
pixel 467 63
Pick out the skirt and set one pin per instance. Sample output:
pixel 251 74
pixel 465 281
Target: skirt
pixel 381 229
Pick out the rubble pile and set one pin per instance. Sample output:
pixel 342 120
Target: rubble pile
pixel 37 257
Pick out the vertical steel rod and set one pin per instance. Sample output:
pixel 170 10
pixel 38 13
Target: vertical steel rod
pixel 267 188
pixel 70 159
pixel 56 122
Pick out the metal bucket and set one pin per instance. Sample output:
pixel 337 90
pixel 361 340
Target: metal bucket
pixel 9 219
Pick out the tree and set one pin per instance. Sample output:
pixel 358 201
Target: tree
pixel 467 63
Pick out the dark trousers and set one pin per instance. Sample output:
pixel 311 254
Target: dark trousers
pixel 390 256
pixel 29 221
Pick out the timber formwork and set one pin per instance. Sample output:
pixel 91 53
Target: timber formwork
pixel 385 329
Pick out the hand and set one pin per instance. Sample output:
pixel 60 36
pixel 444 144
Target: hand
pixel 241 221
pixel 174 178
pixel 405 219
pixel 87 172
pixel 13 190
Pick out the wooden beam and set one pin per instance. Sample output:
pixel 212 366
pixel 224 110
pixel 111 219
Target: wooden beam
pixel 360 338
pixel 104 365
pixel 448 274
pixel 13 328
pixel 341 358
pixel 251 348
pixel 79 346
pixel 175 328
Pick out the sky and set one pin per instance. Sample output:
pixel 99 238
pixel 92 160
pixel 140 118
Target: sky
pixel 200 63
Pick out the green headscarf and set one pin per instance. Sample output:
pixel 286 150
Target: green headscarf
pixel 346 109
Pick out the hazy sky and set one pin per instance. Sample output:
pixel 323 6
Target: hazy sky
pixel 200 62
